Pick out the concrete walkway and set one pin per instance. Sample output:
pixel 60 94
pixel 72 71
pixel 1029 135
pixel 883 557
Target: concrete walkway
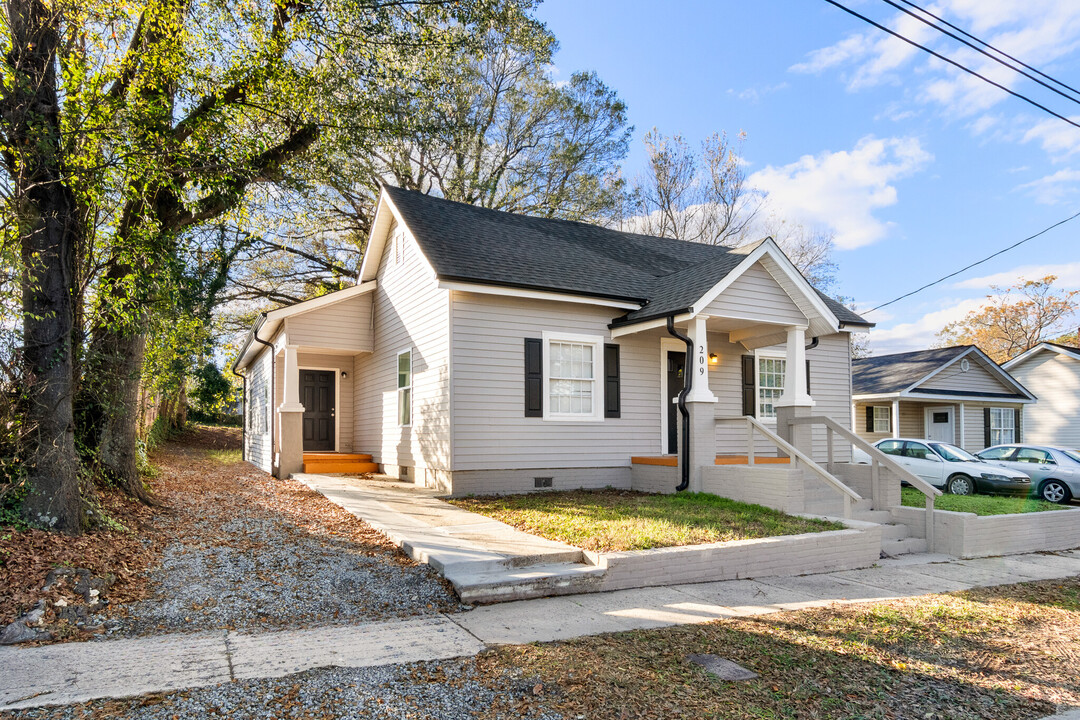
pixel 75 672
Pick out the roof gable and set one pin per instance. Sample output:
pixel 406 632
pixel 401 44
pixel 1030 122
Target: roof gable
pixel 1063 350
pixel 938 371
pixel 465 243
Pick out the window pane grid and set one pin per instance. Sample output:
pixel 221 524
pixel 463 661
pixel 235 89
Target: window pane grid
pixel 570 379
pixel 771 373
pixel 882 419
pixel 404 383
pixel 1002 426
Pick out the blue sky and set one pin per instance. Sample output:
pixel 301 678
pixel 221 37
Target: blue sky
pixel 917 169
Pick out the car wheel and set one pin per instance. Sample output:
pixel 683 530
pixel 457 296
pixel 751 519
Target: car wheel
pixel 961 485
pixel 1055 491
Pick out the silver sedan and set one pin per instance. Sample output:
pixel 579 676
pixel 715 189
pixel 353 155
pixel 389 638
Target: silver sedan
pixel 1054 471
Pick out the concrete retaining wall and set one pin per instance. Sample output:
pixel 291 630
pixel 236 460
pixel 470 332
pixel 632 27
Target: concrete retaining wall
pixel 967 535
pixel 855 547
pixel 777 488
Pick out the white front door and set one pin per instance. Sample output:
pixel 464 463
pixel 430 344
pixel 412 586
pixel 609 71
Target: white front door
pixel 940 426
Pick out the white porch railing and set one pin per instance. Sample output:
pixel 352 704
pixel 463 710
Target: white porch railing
pixel 877 460
pixel 849 496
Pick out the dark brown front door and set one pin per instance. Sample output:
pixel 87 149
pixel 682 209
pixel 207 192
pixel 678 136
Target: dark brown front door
pixel 317 397
pixel 676 364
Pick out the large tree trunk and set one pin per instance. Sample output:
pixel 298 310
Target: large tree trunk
pixel 48 232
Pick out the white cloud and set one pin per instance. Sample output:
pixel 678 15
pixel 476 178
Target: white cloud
pixel 754 94
pixel 840 190
pixel 1068 276
pixel 921 333
pixel 1041 32
pixel 1058 139
pixel 1053 189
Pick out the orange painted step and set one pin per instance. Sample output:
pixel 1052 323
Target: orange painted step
pixel 362 457
pixel 340 466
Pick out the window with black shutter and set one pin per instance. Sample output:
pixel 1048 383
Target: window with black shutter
pixel 612 395
pixel 534 377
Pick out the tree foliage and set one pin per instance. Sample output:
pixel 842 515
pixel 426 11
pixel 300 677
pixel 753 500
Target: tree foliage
pixel 1014 319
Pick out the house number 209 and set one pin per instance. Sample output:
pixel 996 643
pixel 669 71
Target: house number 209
pixel 701 360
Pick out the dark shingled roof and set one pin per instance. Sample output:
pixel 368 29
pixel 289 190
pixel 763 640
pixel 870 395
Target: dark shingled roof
pixel 893 373
pixel 473 244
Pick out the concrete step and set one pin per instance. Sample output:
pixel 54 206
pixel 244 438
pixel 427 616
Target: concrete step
pixel 864 505
pixel 507 584
pixel 498 564
pixel 882 517
pixel 892 548
pixel 895 532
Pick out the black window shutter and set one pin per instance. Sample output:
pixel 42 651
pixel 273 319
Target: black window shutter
pixel 986 427
pixel 869 418
pixel 534 377
pixel 612 405
pixel 749 386
pixel 1017 435
pixel 808 378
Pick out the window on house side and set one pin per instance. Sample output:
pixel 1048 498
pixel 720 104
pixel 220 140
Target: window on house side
pixel 404 388
pixel 572 366
pixel 770 385
pixel 1002 426
pixel 882 419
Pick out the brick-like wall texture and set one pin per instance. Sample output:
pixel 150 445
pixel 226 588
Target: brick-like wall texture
pixel 855 547
pixel 654 478
pixel 777 488
pixel 967 535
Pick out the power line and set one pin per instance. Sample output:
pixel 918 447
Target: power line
pixel 980 262
pixel 951 62
pixel 977 49
pixel 997 50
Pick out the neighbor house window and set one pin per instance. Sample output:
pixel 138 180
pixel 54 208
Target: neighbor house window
pixel 404 387
pixel 573 364
pixel 882 419
pixel 1002 426
pixel 770 385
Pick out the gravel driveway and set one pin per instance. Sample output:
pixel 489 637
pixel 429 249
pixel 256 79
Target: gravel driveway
pixel 447 690
pixel 245 551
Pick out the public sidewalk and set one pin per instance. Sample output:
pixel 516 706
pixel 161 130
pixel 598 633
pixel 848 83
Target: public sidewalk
pixel 75 672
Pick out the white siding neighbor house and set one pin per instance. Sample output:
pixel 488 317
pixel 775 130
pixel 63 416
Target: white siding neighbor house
pixel 484 352
pixel 956 395
pixel 1052 372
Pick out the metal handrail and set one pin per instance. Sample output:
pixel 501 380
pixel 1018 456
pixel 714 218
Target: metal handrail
pixel 753 423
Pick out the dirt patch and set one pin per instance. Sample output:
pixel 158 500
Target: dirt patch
pixel 230 547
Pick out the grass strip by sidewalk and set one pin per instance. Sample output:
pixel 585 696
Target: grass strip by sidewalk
pixel 1005 653
pixel 980 504
pixel 611 520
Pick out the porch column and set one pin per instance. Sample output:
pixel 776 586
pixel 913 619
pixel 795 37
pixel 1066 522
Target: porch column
pixel 894 421
pixel 963 437
pixel 291 418
pixel 795 402
pixel 701 404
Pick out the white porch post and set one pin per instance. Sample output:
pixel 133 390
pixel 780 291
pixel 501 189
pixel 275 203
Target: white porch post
pixel 291 415
pixel 894 422
pixel 795 402
pixel 963 438
pixel 701 404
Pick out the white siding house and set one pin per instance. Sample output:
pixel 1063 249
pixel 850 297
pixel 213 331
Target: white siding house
pixel 1052 373
pixel 486 352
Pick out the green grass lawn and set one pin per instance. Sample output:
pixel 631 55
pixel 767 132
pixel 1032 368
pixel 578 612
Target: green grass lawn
pixel 612 520
pixel 980 504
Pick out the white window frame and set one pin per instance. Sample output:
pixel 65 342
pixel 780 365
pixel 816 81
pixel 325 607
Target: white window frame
pixel 409 387
pixel 887 418
pixel 1000 412
pixel 597 343
pixel 760 355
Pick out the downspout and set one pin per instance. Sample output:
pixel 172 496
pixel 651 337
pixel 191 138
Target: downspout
pixel 813 343
pixel 273 377
pixel 243 413
pixel 688 384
